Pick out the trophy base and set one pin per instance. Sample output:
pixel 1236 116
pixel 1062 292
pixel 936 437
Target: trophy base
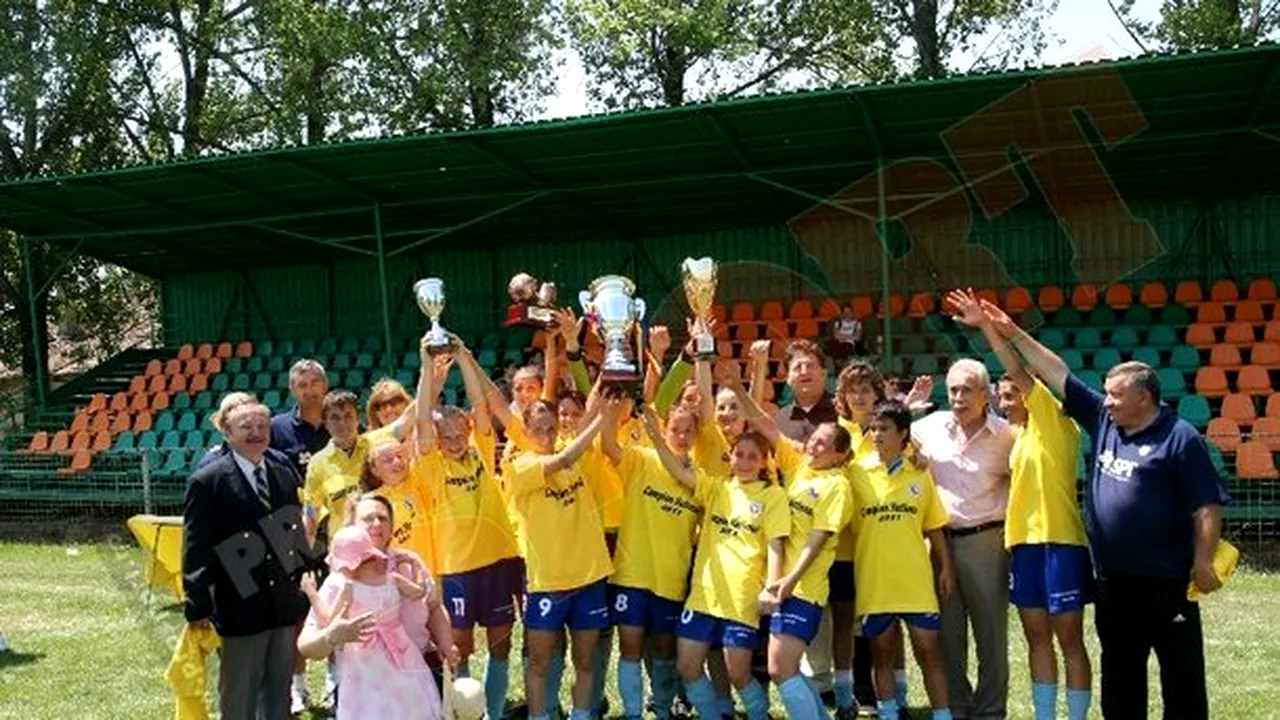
pixel 444 349
pixel 625 379
pixel 532 316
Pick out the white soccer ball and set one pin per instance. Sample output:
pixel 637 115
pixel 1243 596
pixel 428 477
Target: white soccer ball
pixel 468 699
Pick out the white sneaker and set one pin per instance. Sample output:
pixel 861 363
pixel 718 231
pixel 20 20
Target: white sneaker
pixel 298 697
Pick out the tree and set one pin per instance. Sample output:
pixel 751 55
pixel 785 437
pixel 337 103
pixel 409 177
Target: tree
pixel 936 30
pixel 1202 23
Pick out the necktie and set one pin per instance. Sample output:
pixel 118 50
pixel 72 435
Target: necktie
pixel 260 487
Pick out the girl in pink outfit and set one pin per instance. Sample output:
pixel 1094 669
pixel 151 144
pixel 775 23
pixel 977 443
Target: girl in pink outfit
pixel 362 612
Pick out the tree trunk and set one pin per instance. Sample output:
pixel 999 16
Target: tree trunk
pixel 924 31
pixel 315 101
pixel 671 70
pixel 196 83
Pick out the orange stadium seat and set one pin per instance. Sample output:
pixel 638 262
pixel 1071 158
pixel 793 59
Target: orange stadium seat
pixel 1265 354
pixel 800 310
pixel 79 423
pixel 806 329
pixel 1223 433
pixel 244 349
pixel 1212 382
pixel 1249 311
pixel 192 367
pixel 96 403
pixel 1201 336
pixel 1273 405
pixel 777 331
pixel 719 312
pixel 39 442
pixel 160 401
pixel 1017 301
pixel 1119 296
pixel 1084 297
pixel 863 307
pixel 204 352
pixel 829 310
pixel 1267 431
pixel 1224 291
pixel 1188 292
pixel 771 310
pixel 724 348
pixel 101 442
pixel 157 384
pixel 1253 380
pixel 119 402
pixel 1239 407
pixel 921 305
pixel 897 305
pixel 173 367
pixel 1254 462
pixel 212 366
pixel 155 367
pixel 742 312
pixel 61 440
pixel 101 422
pixel 1262 289
pixel 1050 298
pixel 137 385
pixel 1239 334
pixel 727 366
pixel 122 423
pixel 1225 356
pixel 1211 313
pixel 186 352
pixel 198 384
pixel 79 441
pixel 142 422
pixel 746 332
pixel 719 331
pixel 988 294
pixel 224 351
pixel 1154 295
pixel 178 383
pixel 80 462
pixel 139 402
pixel 1272 332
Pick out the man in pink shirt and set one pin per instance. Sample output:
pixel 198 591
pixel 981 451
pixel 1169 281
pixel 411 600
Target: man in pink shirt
pixel 967 449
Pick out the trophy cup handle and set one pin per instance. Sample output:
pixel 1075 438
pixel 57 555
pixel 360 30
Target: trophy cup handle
pixel 640 308
pixel 584 299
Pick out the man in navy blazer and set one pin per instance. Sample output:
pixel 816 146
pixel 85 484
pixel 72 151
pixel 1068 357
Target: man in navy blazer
pixel 243 551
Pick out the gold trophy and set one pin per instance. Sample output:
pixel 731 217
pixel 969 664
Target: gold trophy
pixel 699 278
pixel 616 315
pixel 430 296
pixel 532 304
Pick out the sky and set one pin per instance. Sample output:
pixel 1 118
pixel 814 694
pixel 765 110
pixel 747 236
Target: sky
pixel 1079 30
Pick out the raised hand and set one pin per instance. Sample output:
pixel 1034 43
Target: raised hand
pixel 921 390
pixel 409 590
pixel 760 350
pixel 659 340
pixel 967 308
pixel 998 318
pixel 440 365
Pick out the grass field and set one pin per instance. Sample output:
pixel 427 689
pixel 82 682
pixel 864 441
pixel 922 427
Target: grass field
pixel 86 646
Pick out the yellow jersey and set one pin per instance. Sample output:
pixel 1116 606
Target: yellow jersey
pixel 891 563
pixel 863 456
pixel 711 450
pixel 659 524
pixel 469 516
pixel 1042 486
pixel 819 500
pixel 560 518
pixel 411 517
pixel 333 479
pixel 729 570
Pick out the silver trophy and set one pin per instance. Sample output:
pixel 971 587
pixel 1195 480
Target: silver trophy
pixel 616 315
pixel 430 296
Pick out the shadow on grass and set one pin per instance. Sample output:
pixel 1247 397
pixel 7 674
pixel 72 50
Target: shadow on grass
pixel 17 659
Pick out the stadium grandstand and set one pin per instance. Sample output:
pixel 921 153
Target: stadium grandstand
pixel 1123 210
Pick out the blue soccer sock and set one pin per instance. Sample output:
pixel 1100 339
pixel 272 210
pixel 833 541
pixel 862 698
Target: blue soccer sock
pixel 843 687
pixel 580 714
pixel 497 676
pixel 665 683
pixel 703 697
pixel 1044 700
pixel 1078 703
pixel 543 716
pixel 942 714
pixel 887 709
pixel 900 687
pixel 555 676
pixel 631 687
pixel 755 700
pixel 799 699
pixel 725 703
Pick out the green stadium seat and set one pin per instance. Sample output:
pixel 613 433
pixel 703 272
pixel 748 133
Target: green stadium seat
pixel 255 365
pixel 364 361
pixel 1073 358
pixel 1086 338
pixel 125 442
pixel 1067 317
pixel 518 338
pixel 327 346
pixel 488 359
pixel 175 463
pixel 341 361
pixel 1173 384
pixel 372 344
pixel 194 440
pixel 1215 455
pixel 1102 316
pixel 924 365
pixel 263 348
pixel 285 349
pixel 491 341
pixel 1148 355
pixel 261 382
pixel 1173 314
pixel 939 394
pixel 511 356
pixel 335 379
pixel 913 344
pixel 290 402
pixel 1090 378
pixel 181 401
pixel 276 364
pixel 305 348
pixel 349 345
pixel 386 362
pixel 204 401
pixel 1138 315
pixel 1162 336
pixel 1105 359
pixel 233 365
pixel 994 366
pixel 271 399
pixel 411 361
pixel 187 422
pixel 171 440
pixel 1195 410
pixel 356 379
pixel 407 379
pixel 450 396
pixel 1052 338
pixel 147 441
pixel 454 378
pixel 1124 339
pixel 214 439
pixel 206 422
pixel 164 423
pixel 282 380
pixel 220 383
pixel 1184 357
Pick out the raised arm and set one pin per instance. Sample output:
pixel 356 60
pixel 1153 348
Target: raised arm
pixel 755 414
pixel 759 369
pixel 426 401
pixel 573 352
pixel 969 312
pixel 551 367
pixel 471 372
pixel 702 375
pixel 609 430
pixel 682 473
pixel 1040 359
pixel 574 450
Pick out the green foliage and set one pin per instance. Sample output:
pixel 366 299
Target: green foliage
pixel 1190 24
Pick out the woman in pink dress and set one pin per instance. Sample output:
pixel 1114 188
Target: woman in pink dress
pixel 362 612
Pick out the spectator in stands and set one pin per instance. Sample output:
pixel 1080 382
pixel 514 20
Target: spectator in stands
pixel 1153 512
pixel 300 433
pixel 253 607
pixel 967 450
pixel 230 402
pixel 811 405
pixel 845 336
pixel 388 402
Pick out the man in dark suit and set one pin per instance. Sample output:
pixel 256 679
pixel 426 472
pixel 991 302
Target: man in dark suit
pixel 243 551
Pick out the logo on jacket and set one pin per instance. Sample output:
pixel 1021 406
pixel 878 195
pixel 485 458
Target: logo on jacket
pixel 756 508
pixel 914 490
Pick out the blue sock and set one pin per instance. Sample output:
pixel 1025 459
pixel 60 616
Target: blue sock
pixel 755 700
pixel 887 709
pixel 817 698
pixel 599 668
pixel 555 676
pixel 580 714
pixel 497 676
pixel 843 686
pixel 1078 703
pixel 631 687
pixel 543 716
pixel 942 714
pixel 1044 700
pixel 900 687
pixel 665 683
pixel 703 697
pixel 798 698
pixel 725 703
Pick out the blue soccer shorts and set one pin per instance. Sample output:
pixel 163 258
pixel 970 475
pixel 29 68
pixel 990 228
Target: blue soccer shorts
pixel 797 618
pixel 633 607
pixel 876 625
pixel 717 631
pixel 583 608
pixel 1052 577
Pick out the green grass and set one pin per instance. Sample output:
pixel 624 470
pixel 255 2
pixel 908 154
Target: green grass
pixel 86 646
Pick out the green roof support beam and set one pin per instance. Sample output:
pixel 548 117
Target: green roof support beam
pixel 882 227
pixel 382 284
pixel 37 332
pixel 465 224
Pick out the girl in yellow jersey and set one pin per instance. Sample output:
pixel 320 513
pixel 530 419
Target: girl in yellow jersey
pixel 653 557
pixel 480 570
pixel 389 474
pixel 740 550
pixel 899 525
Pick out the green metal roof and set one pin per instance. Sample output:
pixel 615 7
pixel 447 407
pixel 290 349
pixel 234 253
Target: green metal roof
pixel 1211 123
